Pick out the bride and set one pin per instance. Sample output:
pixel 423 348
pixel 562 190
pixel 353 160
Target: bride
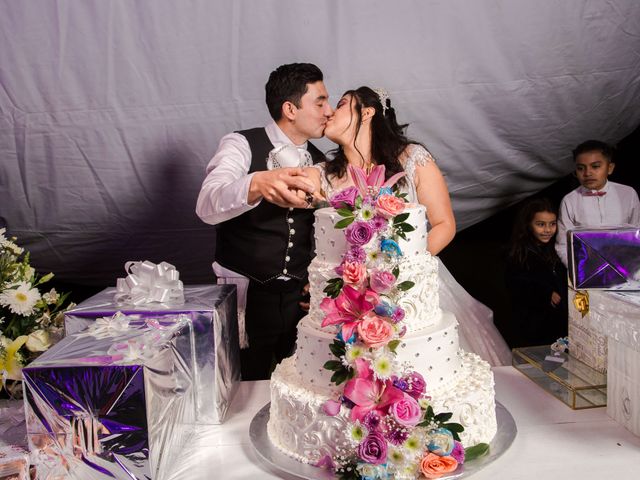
pixel 365 128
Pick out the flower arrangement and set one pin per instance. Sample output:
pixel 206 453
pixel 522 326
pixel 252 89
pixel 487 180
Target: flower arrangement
pixel 30 322
pixel 393 430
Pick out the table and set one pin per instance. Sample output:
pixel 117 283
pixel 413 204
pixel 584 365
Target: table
pixel 553 441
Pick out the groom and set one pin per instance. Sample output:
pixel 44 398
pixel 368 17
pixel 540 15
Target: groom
pixel 264 232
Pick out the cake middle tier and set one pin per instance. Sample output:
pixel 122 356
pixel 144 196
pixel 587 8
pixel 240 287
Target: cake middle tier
pixel 420 303
pixel 432 352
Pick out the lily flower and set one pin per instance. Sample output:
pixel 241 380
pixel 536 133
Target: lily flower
pixel 374 181
pixel 348 308
pixel 10 368
pixel 368 393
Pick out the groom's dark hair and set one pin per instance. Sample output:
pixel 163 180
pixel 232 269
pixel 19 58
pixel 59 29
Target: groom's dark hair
pixel 288 83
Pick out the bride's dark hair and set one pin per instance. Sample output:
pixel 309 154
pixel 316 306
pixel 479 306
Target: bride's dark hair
pixel 388 140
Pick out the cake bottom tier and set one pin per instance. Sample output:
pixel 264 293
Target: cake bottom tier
pixel 299 428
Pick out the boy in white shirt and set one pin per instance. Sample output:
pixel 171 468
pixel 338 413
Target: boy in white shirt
pixel 597 202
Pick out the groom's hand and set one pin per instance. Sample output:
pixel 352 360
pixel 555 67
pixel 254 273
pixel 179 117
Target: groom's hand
pixel 280 186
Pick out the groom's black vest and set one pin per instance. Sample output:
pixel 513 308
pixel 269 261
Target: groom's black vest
pixel 256 243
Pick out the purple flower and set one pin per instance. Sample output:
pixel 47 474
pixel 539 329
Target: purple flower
pixel 401 384
pixel 379 223
pixel 381 281
pixel 458 452
pixel 394 431
pixel 416 384
pixel 371 420
pixel 359 233
pixel 373 449
pixel 344 198
pixel 397 315
pixel 355 255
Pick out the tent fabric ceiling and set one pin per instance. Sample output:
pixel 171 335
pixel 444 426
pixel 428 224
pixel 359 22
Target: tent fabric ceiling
pixel 110 110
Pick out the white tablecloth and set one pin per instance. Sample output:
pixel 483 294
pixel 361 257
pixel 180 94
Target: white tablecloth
pixel 553 441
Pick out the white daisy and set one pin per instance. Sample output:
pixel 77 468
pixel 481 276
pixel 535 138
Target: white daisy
pixel 20 300
pixel 383 367
pixel 357 432
pixel 352 353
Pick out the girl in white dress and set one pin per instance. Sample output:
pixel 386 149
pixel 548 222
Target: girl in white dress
pixel 365 128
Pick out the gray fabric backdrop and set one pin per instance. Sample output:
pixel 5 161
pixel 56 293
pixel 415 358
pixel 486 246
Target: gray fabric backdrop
pixel 110 110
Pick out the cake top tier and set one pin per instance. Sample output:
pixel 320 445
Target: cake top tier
pixel 331 242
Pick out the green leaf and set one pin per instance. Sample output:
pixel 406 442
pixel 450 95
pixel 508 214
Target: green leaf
pixel 405 227
pixel 428 415
pixel 443 417
pixel 396 271
pixel 401 234
pixel 345 222
pixel 337 348
pixel 393 344
pixel 358 202
pixel 344 212
pixel 453 427
pixel 333 365
pixel 400 218
pixel 339 376
pixel 476 451
pixel 406 285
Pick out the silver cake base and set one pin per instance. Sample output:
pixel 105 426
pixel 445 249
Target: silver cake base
pixel 278 460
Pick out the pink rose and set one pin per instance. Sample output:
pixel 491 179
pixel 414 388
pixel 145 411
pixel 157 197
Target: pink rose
pixel 406 411
pixel 374 331
pixel 354 273
pixel 390 205
pixel 381 281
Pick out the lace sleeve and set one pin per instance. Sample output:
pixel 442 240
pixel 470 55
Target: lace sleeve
pixel 325 187
pixel 420 155
pixel 415 155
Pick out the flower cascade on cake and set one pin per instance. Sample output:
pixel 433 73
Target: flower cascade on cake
pixel 393 430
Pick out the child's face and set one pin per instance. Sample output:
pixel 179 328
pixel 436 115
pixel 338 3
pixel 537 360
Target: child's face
pixel 543 226
pixel 592 170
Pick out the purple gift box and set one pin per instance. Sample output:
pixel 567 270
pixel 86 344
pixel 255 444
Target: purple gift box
pixel 212 310
pixel 607 258
pixel 113 401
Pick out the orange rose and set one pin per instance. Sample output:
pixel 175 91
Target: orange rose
pixel 354 273
pixel 434 466
pixel 374 331
pixel 390 205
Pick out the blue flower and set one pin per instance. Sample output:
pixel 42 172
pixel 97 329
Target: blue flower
pixel 390 247
pixel 384 309
pixel 351 340
pixel 385 191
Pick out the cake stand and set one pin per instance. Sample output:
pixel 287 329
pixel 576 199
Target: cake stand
pixel 279 461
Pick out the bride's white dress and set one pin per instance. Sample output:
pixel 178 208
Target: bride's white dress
pixel 477 332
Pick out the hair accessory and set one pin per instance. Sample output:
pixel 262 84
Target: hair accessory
pixel 383 95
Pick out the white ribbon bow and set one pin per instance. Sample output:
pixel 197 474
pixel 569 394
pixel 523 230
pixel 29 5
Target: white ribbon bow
pixel 288 156
pixel 147 282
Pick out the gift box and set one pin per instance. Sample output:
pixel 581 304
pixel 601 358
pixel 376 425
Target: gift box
pixel 212 311
pixel 604 258
pixel 14 463
pixel 585 342
pixel 113 401
pixel 617 314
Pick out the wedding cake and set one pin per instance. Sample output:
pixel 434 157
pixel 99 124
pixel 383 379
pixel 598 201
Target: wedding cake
pixel 376 358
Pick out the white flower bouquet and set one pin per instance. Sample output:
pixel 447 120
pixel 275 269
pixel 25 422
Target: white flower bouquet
pixel 30 322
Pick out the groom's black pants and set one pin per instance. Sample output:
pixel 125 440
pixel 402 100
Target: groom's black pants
pixel 271 317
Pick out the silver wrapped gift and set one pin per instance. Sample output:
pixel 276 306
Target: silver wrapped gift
pixel 212 310
pixel 113 401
